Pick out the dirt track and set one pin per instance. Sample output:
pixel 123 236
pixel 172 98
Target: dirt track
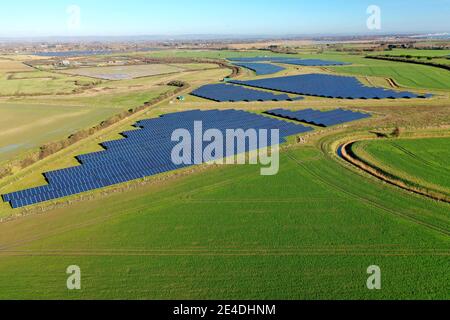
pixel 346 153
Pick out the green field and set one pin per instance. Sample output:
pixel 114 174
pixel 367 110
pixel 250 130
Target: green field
pixel 309 232
pixel 418 53
pixel 422 162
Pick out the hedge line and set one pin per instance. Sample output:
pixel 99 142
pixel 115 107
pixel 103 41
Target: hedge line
pixel 391 58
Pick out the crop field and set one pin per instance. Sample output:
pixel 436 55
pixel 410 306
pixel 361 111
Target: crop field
pixel 419 161
pixel 279 239
pixel 124 72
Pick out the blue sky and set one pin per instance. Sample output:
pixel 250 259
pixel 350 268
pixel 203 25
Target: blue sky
pixel 29 18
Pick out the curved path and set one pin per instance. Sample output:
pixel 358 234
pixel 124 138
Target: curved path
pixel 346 153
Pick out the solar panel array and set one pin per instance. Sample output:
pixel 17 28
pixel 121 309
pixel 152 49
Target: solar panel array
pixel 328 86
pixel 146 152
pixel 293 61
pixel 261 69
pixel 230 93
pixel 320 118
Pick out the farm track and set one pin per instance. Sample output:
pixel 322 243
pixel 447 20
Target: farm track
pixel 386 177
pixel 370 202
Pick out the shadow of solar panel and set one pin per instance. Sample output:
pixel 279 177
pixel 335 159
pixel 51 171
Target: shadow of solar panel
pixel 329 86
pixel 319 118
pixel 147 151
pixel 231 93
pixel 261 68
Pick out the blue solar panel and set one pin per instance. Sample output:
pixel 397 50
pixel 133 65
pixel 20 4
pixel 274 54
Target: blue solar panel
pixel 320 118
pixel 147 151
pixel 329 86
pixel 230 93
pixel 261 68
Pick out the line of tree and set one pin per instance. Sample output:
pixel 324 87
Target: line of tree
pixel 401 59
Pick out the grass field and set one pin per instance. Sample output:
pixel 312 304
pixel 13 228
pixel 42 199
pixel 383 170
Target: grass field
pixel 27 126
pixel 422 162
pixel 309 232
pixel 124 72
pixel 418 53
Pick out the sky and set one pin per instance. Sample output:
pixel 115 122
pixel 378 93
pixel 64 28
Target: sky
pixel 31 18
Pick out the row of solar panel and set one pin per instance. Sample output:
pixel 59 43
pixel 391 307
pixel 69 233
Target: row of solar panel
pixel 79 187
pixel 229 93
pixel 323 85
pixel 261 69
pixel 320 118
pixel 163 156
pixel 293 61
pixel 148 140
pixel 147 153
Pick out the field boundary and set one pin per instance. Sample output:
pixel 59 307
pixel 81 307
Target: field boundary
pixel 400 59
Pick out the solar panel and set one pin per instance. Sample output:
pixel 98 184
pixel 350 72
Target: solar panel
pixel 320 118
pixel 324 85
pixel 147 151
pixel 261 68
pixel 231 93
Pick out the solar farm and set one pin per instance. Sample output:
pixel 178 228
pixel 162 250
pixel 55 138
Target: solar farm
pixel 231 93
pixel 362 174
pixel 261 69
pixel 144 153
pixel 329 86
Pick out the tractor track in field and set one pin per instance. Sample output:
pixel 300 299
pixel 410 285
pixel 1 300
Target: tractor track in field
pixel 373 203
pixel 369 252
